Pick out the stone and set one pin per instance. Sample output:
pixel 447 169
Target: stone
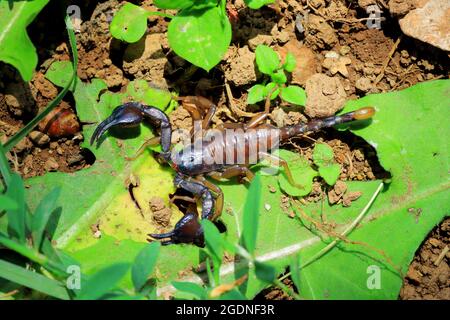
pixel 429 24
pixel 39 138
pixel 325 96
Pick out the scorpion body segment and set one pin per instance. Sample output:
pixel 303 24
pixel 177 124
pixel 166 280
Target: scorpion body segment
pixel 218 153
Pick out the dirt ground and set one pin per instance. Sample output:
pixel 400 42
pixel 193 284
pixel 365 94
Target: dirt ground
pixel 338 57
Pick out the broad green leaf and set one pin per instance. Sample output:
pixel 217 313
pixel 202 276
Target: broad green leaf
pixel 144 264
pixel 6 203
pixel 410 142
pixel 256 94
pixel 301 171
pixel 16 47
pixel 323 157
pixel 294 95
pixel 129 23
pixel 251 215
pixel 265 272
pixel 267 59
pixel 289 63
pixel 41 216
pixel 200 36
pixel 102 282
pixel 192 288
pixel 256 4
pixel 279 77
pixel 141 90
pixel 32 280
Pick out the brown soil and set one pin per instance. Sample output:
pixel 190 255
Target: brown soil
pixel 336 48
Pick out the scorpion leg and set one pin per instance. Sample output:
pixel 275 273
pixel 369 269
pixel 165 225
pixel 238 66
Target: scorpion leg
pixel 279 161
pixel 200 108
pixel 234 171
pixel 131 115
pixel 188 229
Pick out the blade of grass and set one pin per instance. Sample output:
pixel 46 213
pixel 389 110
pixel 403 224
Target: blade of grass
pixel 251 215
pixel 4 167
pixel 16 218
pixel 42 215
pixel 32 280
pixel 29 126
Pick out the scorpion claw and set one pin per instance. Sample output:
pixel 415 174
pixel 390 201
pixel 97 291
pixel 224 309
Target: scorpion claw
pixel 187 230
pixel 126 115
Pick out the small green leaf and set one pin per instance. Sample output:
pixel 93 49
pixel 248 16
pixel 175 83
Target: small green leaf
pixel 192 288
pixel 200 36
pixel 16 47
pixel 6 203
pixel 251 215
pixel 269 87
pixel 289 63
pixel 256 94
pixel 265 272
pixel 42 215
pixel 129 23
pixel 256 4
pixel 279 77
pixel 324 158
pixel 102 282
pixel 301 172
pixel 144 264
pixel 294 95
pixel 330 173
pixel 266 59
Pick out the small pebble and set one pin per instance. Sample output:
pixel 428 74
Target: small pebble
pixel 267 206
pixel 39 138
pixel 51 164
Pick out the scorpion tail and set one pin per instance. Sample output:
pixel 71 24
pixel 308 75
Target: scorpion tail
pixel 317 124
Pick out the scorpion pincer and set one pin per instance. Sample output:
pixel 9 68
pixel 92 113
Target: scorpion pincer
pixel 247 144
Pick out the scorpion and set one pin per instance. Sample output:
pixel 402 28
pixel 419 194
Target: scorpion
pixel 254 140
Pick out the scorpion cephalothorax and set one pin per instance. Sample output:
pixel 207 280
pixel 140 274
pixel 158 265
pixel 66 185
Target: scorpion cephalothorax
pixel 247 144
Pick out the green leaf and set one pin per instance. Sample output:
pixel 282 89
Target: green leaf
pixel 301 172
pixel 279 77
pixel 6 203
pixel 102 282
pixel 129 23
pixel 266 59
pixel 409 138
pixel 294 95
pixel 16 47
pixel 256 94
pixel 200 36
pixel 324 158
pixel 144 264
pixel 251 215
pixel 42 215
pixel 265 272
pixel 294 268
pixel 173 4
pixel 289 63
pixel 192 288
pixel 269 87
pixel 17 227
pixel 142 91
pixel 32 280
pixel 256 4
